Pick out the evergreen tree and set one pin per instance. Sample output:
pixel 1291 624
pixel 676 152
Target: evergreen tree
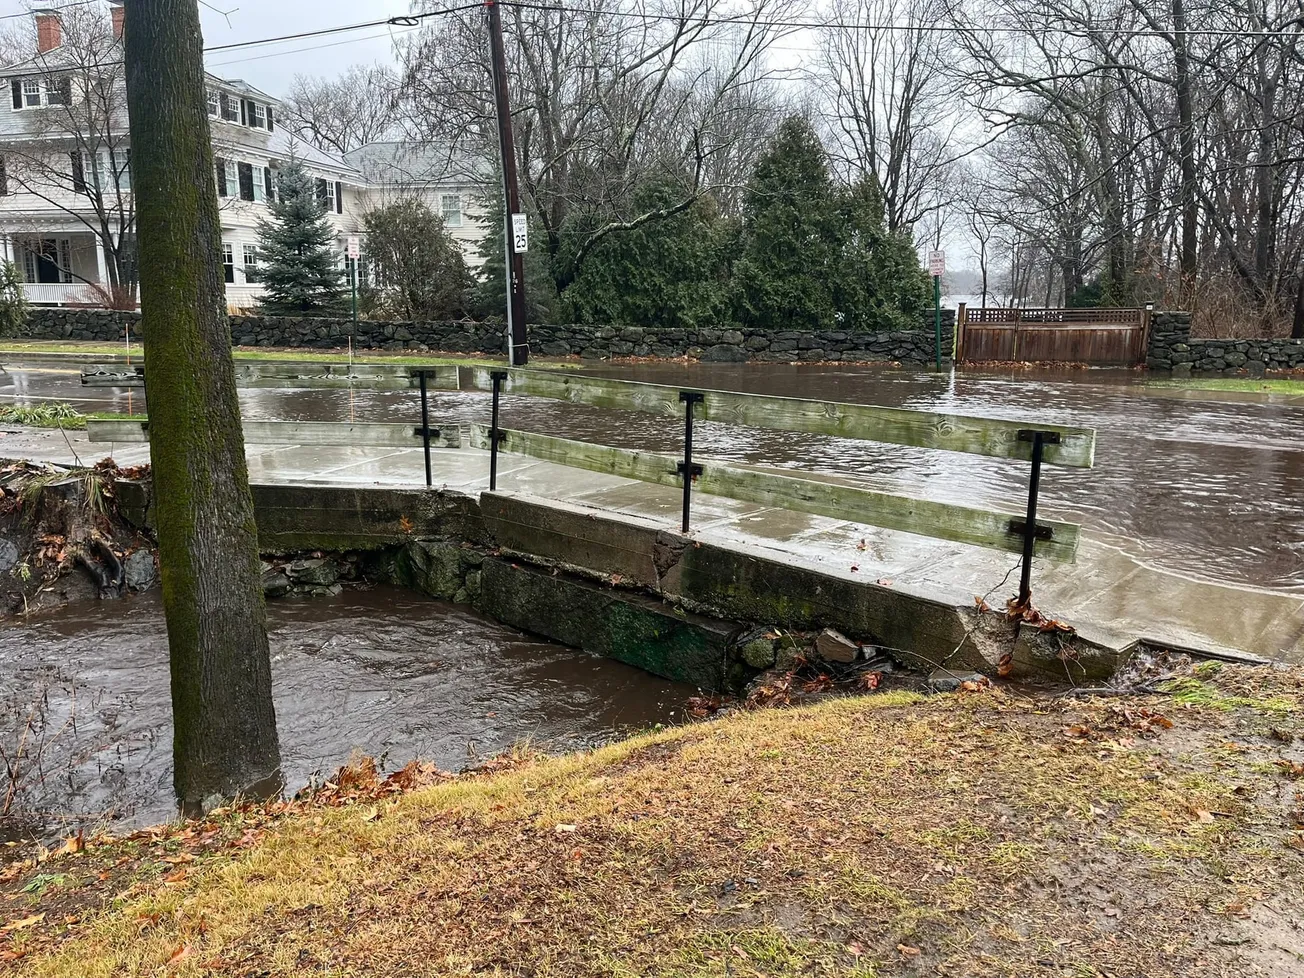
pixel 880 282
pixel 668 273
pixel 417 268
pixel 489 299
pixel 299 269
pixel 786 276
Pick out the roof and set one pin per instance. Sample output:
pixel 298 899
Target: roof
pixel 283 143
pixel 411 162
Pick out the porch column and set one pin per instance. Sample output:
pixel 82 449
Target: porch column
pixel 102 262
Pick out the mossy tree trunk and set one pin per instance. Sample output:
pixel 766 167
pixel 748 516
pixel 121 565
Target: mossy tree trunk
pixel 223 720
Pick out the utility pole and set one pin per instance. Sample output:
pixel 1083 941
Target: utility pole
pixel 515 239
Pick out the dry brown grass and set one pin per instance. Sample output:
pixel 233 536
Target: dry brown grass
pixel 987 834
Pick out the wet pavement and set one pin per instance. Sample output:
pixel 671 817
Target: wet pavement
pixel 382 671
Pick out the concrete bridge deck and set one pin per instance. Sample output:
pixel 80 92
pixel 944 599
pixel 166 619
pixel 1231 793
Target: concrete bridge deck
pixel 1108 596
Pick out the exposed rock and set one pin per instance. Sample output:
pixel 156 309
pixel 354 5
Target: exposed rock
pixel 139 570
pixel 8 556
pixel 320 571
pixel 276 584
pixel 948 681
pixel 833 646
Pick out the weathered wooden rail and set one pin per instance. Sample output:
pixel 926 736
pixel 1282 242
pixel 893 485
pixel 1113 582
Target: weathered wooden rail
pixel 1054 444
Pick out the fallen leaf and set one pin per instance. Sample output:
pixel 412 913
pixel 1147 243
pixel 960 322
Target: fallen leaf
pixel 177 860
pixel 177 876
pixel 907 951
pixel 564 829
pixel 180 953
pixel 23 924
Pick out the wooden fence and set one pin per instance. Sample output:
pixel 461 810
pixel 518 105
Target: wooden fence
pixel 1098 337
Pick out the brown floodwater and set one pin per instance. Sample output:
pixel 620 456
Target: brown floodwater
pixel 383 671
pixel 1209 488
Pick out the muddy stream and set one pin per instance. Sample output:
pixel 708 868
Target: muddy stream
pixel 383 671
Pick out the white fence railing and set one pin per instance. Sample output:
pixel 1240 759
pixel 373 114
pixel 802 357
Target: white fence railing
pixel 78 293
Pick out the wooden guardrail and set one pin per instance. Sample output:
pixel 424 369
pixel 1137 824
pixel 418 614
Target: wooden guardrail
pixel 1054 444
pixel 946 521
pixel 897 426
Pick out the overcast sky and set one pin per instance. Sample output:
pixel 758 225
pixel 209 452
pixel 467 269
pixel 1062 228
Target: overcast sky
pixel 272 67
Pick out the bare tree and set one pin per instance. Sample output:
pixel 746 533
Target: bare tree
pixel 73 154
pixel 890 102
pixel 359 107
pixel 608 95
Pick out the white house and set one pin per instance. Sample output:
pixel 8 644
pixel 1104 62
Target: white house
pixel 67 215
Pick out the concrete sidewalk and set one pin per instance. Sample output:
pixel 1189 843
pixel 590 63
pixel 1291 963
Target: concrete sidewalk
pixel 1108 596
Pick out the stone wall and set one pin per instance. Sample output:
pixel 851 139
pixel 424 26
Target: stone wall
pixel 590 342
pixel 100 325
pixel 1172 348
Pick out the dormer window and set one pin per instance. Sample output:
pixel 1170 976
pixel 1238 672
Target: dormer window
pixel 32 93
pixel 230 108
pixel 214 103
pixel 259 119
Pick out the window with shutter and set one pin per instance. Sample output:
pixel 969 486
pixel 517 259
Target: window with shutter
pixel 260 184
pixel 78 172
pixel 270 178
pixel 258 115
pixel 323 191
pixel 214 106
pixel 222 190
pixel 17 86
pixel 228 262
pixel 230 110
pixel 246 175
pixel 31 93
pixel 250 263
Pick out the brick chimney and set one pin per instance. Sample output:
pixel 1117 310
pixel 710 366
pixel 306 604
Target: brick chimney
pixel 117 12
pixel 49 31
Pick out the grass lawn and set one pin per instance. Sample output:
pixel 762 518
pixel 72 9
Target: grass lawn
pixel 1242 384
pixel 986 833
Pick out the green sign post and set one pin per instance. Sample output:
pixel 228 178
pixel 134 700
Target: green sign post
pixel 355 254
pixel 937 268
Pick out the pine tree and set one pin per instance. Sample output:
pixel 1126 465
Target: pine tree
pixel 880 282
pixel 786 276
pixel 299 268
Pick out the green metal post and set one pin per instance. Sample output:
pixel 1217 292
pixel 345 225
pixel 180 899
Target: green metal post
pixel 937 316
pixel 353 264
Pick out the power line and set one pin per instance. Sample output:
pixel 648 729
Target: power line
pixel 737 19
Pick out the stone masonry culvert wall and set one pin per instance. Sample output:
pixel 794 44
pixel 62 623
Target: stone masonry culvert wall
pixel 1172 348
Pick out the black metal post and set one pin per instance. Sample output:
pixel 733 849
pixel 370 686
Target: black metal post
pixel 425 426
pixel 1030 523
pixel 687 470
pixel 497 376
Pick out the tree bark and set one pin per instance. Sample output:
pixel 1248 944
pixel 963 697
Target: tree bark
pixel 224 724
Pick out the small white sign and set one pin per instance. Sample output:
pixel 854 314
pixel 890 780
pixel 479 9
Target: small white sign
pixel 354 247
pixel 520 234
pixel 937 263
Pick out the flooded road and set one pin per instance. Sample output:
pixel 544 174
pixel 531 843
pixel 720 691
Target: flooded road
pixel 1206 488
pixel 383 671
